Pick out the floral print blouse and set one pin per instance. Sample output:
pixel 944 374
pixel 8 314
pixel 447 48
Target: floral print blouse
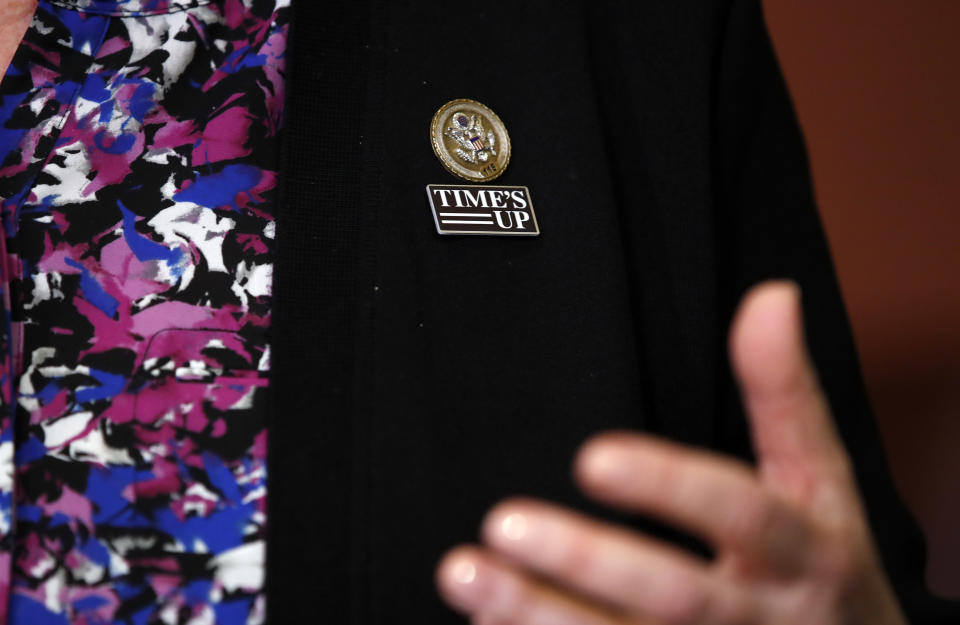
pixel 138 159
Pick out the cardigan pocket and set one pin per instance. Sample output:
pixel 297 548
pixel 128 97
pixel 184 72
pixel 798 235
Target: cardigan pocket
pixel 197 395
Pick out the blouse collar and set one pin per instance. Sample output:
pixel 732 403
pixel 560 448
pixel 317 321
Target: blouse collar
pixel 129 8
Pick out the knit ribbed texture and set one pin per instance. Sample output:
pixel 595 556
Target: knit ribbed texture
pixel 312 427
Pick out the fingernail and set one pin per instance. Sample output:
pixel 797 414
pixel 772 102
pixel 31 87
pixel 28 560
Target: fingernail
pixel 793 285
pixel 602 465
pixel 506 527
pixel 514 526
pixel 517 531
pixel 463 571
pixel 460 579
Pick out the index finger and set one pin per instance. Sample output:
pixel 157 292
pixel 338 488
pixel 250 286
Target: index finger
pixel 717 498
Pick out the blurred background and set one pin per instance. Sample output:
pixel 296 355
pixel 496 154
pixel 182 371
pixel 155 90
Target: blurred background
pixel 877 89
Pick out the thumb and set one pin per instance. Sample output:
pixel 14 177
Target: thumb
pixel 798 449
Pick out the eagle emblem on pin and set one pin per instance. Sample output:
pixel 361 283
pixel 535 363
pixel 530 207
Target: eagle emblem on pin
pixel 470 140
pixel 469 134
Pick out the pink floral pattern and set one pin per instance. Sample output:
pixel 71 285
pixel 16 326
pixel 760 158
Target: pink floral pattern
pixel 138 145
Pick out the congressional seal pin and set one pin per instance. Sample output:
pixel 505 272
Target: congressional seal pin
pixel 470 140
pixel 473 144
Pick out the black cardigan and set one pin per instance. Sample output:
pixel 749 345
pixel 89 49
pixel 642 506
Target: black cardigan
pixel 420 378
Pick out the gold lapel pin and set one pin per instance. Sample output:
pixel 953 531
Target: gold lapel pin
pixel 470 140
pixel 472 143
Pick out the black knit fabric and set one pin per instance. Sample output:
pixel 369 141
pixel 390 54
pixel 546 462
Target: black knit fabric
pixel 314 515
pixel 419 379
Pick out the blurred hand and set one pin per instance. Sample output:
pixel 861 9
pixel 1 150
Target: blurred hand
pixel 791 539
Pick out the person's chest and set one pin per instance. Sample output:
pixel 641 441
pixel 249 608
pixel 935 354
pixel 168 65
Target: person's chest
pixel 458 367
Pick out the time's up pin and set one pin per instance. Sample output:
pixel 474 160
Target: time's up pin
pixel 473 144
